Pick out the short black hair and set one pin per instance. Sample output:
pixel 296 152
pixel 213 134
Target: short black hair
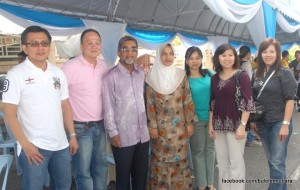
pixel 244 50
pixel 126 38
pixel 33 29
pixel 284 53
pixel 22 54
pixel 87 31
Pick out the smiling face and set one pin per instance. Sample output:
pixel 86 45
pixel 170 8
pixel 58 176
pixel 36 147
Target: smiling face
pixel 91 45
pixel 269 55
pixel 167 56
pixel 227 59
pixel 128 52
pixel 37 47
pixel 194 61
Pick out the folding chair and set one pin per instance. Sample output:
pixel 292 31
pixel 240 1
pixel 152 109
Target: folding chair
pixel 10 143
pixel 5 160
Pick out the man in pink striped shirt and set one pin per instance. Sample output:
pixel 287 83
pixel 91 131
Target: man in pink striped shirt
pixel 84 75
pixel 125 117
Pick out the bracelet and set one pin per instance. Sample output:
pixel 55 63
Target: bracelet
pixel 72 134
pixel 243 123
pixel 285 122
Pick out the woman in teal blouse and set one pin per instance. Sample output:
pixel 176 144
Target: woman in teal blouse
pixel 202 146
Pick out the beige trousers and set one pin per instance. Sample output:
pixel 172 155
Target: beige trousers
pixel 230 157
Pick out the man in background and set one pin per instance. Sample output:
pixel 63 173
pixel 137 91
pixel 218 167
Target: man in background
pixel 294 64
pixel 21 56
pixel 285 59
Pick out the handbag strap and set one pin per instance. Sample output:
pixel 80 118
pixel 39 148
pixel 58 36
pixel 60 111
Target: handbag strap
pixel 238 78
pixel 260 91
pixel 238 92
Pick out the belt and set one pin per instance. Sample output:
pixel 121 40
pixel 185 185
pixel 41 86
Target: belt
pixel 88 123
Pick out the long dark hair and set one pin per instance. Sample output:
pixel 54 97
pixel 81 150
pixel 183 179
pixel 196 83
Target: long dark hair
pixel 188 54
pixel 219 51
pixel 262 47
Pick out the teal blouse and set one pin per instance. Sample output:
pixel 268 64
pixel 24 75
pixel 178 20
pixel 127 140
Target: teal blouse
pixel 200 88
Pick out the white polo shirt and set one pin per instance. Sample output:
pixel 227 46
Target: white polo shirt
pixel 38 95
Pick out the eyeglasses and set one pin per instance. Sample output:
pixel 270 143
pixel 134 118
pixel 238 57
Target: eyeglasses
pixel 37 44
pixel 126 49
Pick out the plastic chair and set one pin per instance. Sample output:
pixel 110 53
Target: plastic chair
pixel 10 143
pixel 5 160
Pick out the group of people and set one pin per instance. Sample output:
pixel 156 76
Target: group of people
pixel 163 110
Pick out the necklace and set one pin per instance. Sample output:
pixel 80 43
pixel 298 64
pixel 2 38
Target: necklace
pixel 227 75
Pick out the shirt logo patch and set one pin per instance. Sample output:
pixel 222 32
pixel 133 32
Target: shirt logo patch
pixel 5 85
pixel 56 83
pixel 30 80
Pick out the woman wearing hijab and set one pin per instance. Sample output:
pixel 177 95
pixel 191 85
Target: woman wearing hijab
pixel 170 112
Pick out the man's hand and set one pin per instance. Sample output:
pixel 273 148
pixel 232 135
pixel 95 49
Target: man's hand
pixel 253 127
pixel 116 141
pixel 73 145
pixel 32 153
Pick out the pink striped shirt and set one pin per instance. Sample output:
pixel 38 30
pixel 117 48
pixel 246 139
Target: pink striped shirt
pixel 124 105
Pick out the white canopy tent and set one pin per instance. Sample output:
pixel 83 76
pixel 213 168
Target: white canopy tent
pixel 245 21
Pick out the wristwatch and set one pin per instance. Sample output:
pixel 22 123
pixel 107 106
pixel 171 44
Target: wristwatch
pixel 243 123
pixel 285 122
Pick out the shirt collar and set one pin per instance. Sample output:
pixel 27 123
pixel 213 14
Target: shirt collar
pixel 32 66
pixel 85 62
pixel 125 72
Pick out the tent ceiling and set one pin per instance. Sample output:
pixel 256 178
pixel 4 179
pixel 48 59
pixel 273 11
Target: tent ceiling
pixel 191 16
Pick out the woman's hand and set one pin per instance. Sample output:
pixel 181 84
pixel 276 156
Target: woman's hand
pixel 284 132
pixel 153 132
pixel 189 130
pixel 240 132
pixel 211 133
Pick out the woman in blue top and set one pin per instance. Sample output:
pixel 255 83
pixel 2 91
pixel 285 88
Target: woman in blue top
pixel 202 146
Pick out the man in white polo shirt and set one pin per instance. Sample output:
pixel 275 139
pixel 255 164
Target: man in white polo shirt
pixel 37 111
pixel 84 75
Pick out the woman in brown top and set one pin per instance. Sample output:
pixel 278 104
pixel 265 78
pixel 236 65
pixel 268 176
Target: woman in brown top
pixel 226 124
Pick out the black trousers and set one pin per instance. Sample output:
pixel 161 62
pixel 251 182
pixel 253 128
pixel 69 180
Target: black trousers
pixel 131 166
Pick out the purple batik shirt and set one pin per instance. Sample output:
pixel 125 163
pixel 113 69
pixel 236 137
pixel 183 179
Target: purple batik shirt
pixel 124 105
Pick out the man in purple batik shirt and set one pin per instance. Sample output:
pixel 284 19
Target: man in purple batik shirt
pixel 125 117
